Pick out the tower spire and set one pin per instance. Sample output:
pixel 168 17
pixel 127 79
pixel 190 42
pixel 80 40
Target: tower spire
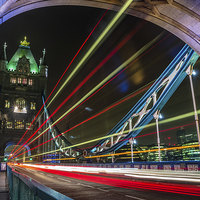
pixel 43 62
pixel 3 55
pixel 5 46
pixel 44 52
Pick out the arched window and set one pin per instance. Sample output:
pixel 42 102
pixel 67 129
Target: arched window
pixel 20 68
pixel 20 106
pixel 25 69
pixel 23 65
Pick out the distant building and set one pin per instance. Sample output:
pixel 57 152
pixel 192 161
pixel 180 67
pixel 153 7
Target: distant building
pixel 154 155
pixel 191 153
pixel 21 84
pixel 127 157
pixel 180 136
pixel 183 137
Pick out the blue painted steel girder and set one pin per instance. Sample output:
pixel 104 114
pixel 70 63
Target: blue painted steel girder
pixel 186 57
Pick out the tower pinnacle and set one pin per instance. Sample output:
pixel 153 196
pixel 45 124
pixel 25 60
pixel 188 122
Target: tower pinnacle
pixel 44 52
pixel 24 43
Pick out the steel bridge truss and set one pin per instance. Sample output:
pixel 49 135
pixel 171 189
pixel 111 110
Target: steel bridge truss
pixel 150 105
pixel 60 141
pixel 146 109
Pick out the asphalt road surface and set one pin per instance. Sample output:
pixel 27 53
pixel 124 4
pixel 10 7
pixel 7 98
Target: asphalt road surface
pixel 83 186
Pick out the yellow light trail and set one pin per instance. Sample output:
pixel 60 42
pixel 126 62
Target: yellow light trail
pixel 92 48
pixel 145 151
pixel 116 134
pixel 59 159
pixel 129 152
pixel 128 61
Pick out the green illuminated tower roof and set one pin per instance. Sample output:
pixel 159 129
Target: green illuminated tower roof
pixel 23 50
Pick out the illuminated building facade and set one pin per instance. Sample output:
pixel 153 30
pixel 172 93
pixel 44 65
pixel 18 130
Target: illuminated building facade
pixel 185 137
pixel 180 136
pixel 21 84
pixel 127 157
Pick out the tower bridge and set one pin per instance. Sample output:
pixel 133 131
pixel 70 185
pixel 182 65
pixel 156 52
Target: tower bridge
pixel 22 70
pixel 22 93
pixel 180 17
pixel 22 82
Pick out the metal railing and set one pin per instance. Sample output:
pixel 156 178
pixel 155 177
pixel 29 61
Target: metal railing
pixel 22 187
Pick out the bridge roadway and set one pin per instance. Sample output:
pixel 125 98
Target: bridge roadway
pixel 115 185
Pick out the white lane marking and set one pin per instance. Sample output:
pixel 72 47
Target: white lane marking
pixel 85 185
pixel 134 197
pixel 103 190
pixel 64 180
pixel 41 173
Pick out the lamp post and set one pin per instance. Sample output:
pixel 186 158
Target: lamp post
pixel 190 71
pixel 131 142
pixel 156 116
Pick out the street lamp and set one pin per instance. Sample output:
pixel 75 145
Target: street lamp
pixel 191 72
pixel 131 142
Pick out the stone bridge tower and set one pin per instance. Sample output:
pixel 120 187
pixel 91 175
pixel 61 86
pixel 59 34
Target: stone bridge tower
pixel 21 84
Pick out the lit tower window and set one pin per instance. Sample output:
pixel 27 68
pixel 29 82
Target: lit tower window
pixel 19 124
pixel 30 81
pixel 20 106
pixel 24 80
pixel 19 80
pixel 33 106
pixel 13 80
pixel 7 104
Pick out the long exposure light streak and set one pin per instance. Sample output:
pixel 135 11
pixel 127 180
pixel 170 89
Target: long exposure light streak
pixel 92 48
pixel 94 174
pixel 110 77
pixel 118 47
pixel 169 129
pixel 129 152
pixel 116 134
pixel 145 151
pixel 62 76
pixel 138 136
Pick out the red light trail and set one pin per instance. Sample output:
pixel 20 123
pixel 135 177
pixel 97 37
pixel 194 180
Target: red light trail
pixel 119 46
pixel 61 77
pixel 90 97
pixel 191 190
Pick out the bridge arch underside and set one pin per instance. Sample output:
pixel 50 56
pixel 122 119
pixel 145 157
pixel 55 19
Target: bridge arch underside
pixel 8 146
pixel 14 145
pixel 181 18
pixel 9 141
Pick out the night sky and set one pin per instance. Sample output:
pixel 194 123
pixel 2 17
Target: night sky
pixel 62 30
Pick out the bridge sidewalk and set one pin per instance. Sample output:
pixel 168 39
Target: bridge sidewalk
pixel 4 194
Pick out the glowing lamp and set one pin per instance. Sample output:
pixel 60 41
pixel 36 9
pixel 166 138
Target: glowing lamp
pixel 193 72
